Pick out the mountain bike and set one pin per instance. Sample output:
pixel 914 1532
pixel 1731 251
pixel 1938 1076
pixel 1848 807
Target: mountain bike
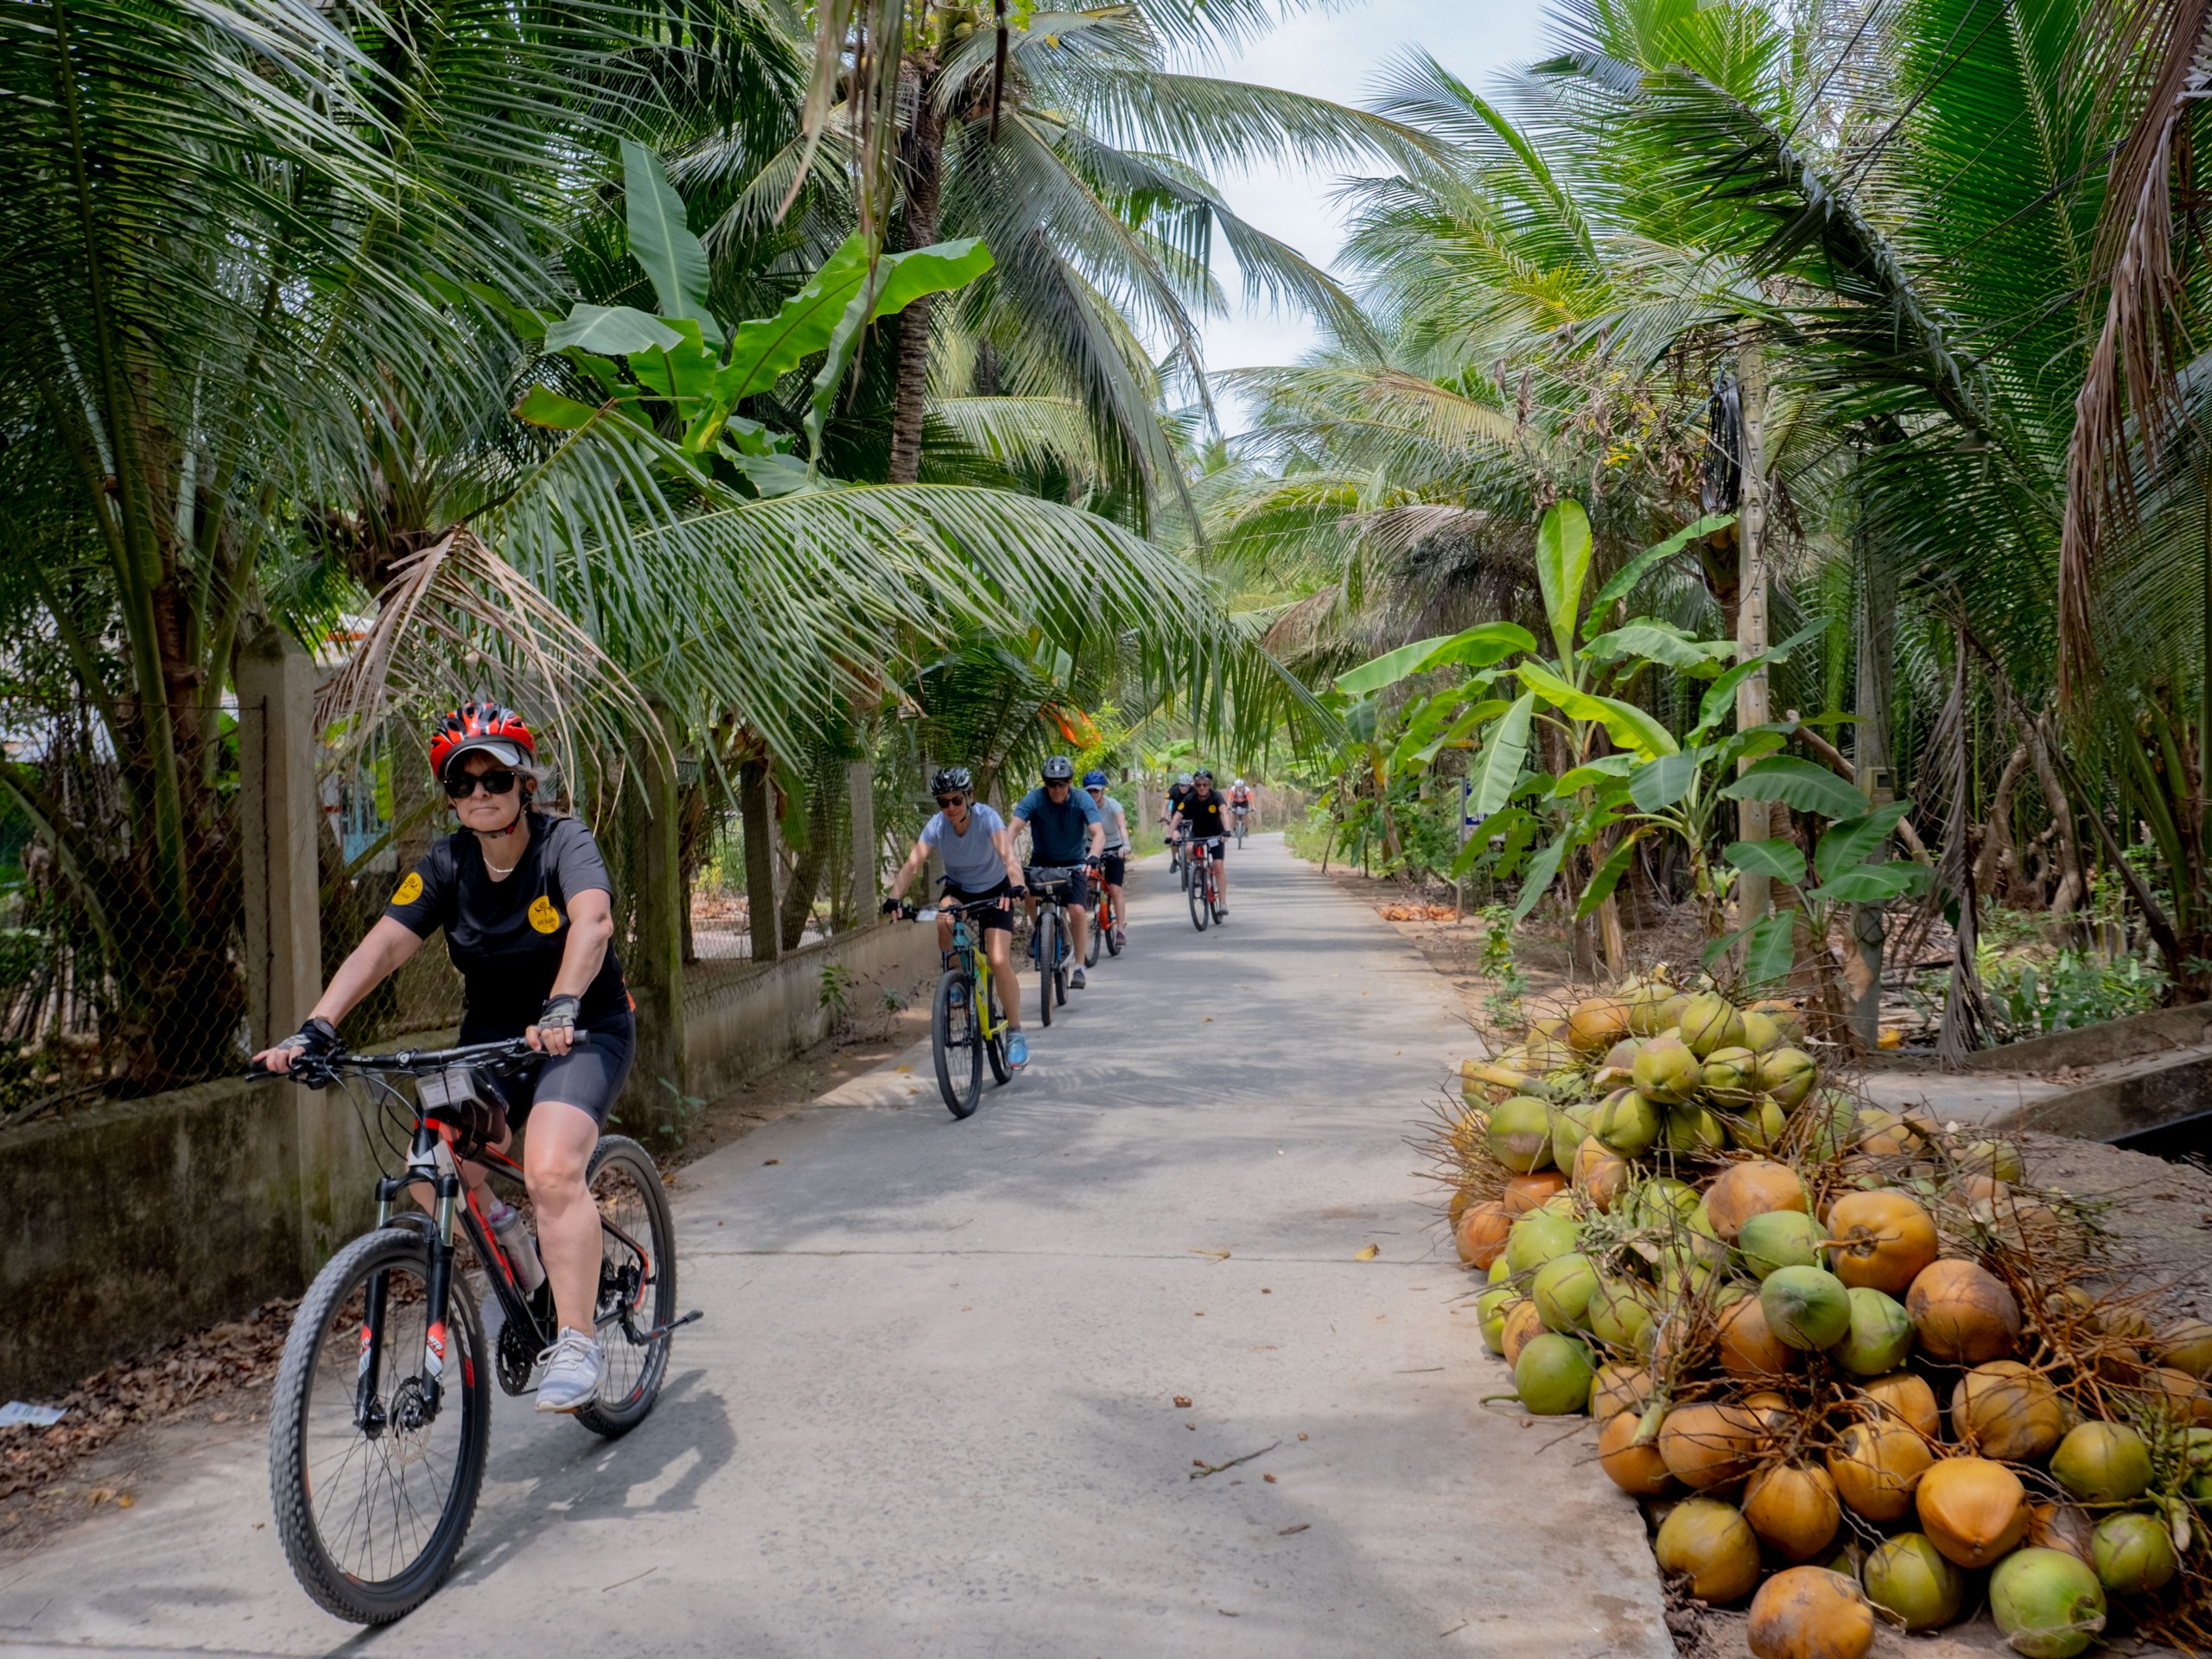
pixel 1205 900
pixel 381 1418
pixel 1242 813
pixel 1105 917
pixel 1050 941
pixel 966 1026
pixel 1178 866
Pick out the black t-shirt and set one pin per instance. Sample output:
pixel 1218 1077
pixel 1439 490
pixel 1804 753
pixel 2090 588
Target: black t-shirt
pixel 506 936
pixel 1177 795
pixel 1203 816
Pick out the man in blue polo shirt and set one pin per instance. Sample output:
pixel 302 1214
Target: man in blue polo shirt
pixel 1065 832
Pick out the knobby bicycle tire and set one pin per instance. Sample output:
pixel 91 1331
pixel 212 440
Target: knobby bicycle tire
pixel 1111 925
pixel 324 1348
pixel 1201 906
pixel 620 1161
pixel 955 1040
pixel 994 1046
pixel 1090 943
pixel 1048 954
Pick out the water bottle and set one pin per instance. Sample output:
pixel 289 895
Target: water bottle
pixel 520 1248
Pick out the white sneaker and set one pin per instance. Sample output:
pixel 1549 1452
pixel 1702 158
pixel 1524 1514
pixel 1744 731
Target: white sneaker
pixel 571 1376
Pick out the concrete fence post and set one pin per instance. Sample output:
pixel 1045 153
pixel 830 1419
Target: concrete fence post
pixel 280 818
pixel 654 966
pixel 859 795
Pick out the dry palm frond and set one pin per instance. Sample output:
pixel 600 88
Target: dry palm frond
pixel 2136 357
pixel 457 615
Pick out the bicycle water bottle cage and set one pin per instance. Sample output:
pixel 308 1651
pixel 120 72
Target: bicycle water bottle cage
pixel 466 1100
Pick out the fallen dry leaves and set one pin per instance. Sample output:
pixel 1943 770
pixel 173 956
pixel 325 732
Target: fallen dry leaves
pixel 224 1357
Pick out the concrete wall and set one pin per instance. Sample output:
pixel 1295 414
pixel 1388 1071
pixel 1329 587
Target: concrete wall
pixel 128 1225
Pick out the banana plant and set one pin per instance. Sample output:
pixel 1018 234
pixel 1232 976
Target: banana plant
pixel 687 362
pixel 1578 690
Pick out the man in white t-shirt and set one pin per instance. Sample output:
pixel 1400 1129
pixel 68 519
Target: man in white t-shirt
pixel 1113 861
pixel 971 838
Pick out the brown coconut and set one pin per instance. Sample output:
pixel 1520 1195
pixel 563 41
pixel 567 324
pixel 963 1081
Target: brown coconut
pixel 2060 1526
pixel 1885 1240
pixel 1635 1469
pixel 1600 1173
pixel 1748 1347
pixel 1973 1509
pixel 1876 1465
pixel 1533 1190
pixel 1904 1397
pixel 1810 1613
pixel 2186 1346
pixel 1596 1024
pixel 2184 1397
pixel 1710 1544
pixel 1480 1235
pixel 1617 1388
pixel 1523 1324
pixel 2003 1410
pixel 1751 1188
pixel 1793 1508
pixel 1709 1447
pixel 1963 1314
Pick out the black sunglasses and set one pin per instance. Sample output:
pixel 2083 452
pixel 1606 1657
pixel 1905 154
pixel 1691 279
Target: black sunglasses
pixel 953 799
pixel 461 784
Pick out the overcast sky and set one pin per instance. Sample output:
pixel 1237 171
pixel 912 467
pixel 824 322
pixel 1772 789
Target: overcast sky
pixel 1338 55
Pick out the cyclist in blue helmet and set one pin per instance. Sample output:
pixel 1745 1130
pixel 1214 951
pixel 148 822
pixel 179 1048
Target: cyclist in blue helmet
pixel 1113 860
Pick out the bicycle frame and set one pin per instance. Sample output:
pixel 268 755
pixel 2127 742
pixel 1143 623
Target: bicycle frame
pixel 969 948
pixel 431 1162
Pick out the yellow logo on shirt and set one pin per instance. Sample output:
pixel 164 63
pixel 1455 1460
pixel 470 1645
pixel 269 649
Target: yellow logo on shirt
pixel 410 890
pixel 543 916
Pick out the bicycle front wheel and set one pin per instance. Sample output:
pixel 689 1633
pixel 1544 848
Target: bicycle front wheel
pixel 374 1468
pixel 994 1045
pixel 1201 905
pixel 637 1284
pixel 1091 945
pixel 955 1041
pixel 1109 922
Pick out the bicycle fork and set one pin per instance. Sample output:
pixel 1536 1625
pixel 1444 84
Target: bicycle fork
pixel 430 1163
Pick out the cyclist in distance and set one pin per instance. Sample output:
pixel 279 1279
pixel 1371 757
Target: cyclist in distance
pixel 1240 799
pixel 1177 792
pixel 978 853
pixel 523 898
pixel 1113 864
pixel 1203 817
pixel 1064 832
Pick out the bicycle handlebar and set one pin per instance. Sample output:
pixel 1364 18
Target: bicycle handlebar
pixel 411 1062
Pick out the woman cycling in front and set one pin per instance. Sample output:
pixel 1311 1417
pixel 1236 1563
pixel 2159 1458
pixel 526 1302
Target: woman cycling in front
pixel 524 901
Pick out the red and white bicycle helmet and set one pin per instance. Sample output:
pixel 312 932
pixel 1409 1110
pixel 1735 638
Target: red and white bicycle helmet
pixel 485 728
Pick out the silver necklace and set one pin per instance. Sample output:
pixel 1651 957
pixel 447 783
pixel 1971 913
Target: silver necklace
pixel 497 869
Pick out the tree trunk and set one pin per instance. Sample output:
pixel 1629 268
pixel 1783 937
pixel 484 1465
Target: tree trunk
pixel 921 166
pixel 753 795
pixel 1995 869
pixel 806 875
pixel 1753 899
pixel 2073 889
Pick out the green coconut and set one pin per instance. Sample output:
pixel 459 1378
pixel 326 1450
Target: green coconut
pixel 1626 1122
pixel 1703 1239
pixel 2132 1554
pixel 1681 1272
pixel 1806 1307
pixel 1562 1290
pixel 1520 1132
pixel 1537 1237
pixel 1552 1376
pixel 1570 1129
pixel 2102 1462
pixel 1710 1022
pixel 1880 1335
pixel 1908 1577
pixel 1492 1307
pixel 2048 1603
pixel 1780 1238
pixel 1663 1201
pixel 1760 1126
pixel 1999 1160
pixel 1620 1316
pixel 1787 1074
pixel 1731 1077
pixel 1666 1072
pixel 1500 1270
pixel 1760 1032
pixel 1690 1129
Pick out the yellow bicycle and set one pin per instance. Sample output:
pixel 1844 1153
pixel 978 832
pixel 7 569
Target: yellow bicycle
pixel 966 1026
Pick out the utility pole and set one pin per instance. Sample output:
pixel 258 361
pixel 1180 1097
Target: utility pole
pixel 1754 897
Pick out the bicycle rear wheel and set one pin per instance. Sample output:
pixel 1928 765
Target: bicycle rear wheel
pixel 372 1512
pixel 955 1040
pixel 1048 960
pixel 637 1284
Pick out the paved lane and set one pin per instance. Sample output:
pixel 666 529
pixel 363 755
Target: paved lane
pixel 930 1409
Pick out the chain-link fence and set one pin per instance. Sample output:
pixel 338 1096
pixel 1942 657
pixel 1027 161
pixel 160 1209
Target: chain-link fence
pixel 121 955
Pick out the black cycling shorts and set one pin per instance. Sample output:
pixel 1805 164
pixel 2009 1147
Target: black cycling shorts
pixel 1215 845
pixel 1078 886
pixel 588 1076
pixel 1114 869
pixel 992 920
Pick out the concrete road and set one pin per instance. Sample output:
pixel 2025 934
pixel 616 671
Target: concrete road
pixel 930 1409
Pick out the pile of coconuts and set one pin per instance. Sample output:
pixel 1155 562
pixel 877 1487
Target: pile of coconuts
pixel 1853 1365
